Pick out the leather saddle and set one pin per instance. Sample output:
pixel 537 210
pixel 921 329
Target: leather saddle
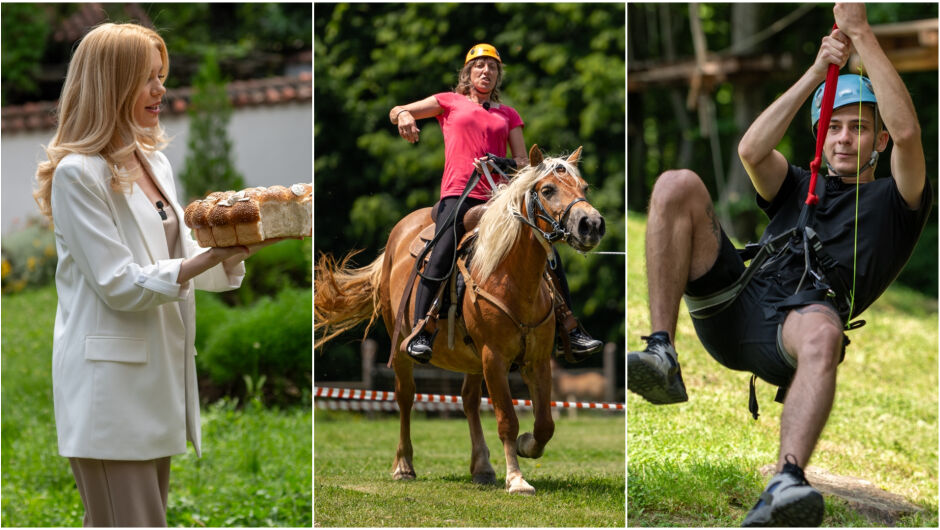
pixel 470 221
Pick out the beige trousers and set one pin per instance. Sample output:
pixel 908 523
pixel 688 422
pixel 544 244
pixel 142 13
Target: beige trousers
pixel 123 492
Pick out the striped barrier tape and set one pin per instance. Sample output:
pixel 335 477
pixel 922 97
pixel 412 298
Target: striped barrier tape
pixel 383 396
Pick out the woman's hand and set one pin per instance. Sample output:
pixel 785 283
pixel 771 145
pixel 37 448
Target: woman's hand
pixel 408 127
pixel 835 49
pixel 228 256
pixel 406 116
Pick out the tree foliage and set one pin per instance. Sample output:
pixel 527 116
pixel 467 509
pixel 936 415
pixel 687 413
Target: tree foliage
pixel 564 73
pixel 251 39
pixel 664 134
pixel 209 165
pixel 25 29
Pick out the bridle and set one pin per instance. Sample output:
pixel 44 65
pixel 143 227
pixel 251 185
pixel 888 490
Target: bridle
pixel 536 210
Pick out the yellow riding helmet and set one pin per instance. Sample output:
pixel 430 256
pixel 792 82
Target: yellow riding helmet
pixel 482 50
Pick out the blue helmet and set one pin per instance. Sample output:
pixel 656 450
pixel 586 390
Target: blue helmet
pixel 849 90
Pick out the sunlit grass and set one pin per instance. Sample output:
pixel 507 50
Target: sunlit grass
pixel 579 481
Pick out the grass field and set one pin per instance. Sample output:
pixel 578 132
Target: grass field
pixel 579 481
pixel 255 468
pixel 696 463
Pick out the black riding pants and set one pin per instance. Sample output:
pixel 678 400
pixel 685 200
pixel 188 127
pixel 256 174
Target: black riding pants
pixel 442 255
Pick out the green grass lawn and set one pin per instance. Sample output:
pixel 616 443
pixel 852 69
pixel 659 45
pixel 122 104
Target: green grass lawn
pixel 696 463
pixel 579 481
pixel 255 468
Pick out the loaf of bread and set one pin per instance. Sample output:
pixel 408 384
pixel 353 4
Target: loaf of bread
pixel 229 218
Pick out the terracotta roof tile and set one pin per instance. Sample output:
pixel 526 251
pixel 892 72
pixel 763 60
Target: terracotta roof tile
pixel 268 91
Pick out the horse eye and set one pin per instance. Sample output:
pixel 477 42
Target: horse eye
pixel 548 191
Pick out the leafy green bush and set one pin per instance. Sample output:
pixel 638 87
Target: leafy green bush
pixel 285 264
pixel 28 257
pixel 211 311
pixel 272 338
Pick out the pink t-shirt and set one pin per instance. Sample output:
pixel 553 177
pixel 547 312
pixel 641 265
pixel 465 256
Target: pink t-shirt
pixel 470 132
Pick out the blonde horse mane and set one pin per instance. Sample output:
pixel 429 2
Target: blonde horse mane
pixel 498 228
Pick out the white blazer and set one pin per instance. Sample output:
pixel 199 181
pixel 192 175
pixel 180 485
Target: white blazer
pixel 123 355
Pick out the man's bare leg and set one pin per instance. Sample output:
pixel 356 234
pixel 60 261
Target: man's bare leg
pixel 813 335
pixel 682 242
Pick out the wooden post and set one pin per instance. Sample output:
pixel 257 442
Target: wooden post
pixel 369 348
pixel 368 351
pixel 610 376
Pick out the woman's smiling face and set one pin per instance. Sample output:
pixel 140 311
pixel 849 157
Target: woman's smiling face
pixel 147 106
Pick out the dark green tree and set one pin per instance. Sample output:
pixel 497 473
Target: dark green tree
pixel 209 165
pixel 25 29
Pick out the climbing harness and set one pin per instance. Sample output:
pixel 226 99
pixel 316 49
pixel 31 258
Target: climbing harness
pixel 820 282
pixel 819 266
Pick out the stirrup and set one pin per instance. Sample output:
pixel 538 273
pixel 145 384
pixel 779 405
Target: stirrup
pixel 422 336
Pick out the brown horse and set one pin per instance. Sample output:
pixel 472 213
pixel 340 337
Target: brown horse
pixel 507 310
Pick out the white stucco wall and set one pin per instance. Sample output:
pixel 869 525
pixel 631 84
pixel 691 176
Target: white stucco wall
pixel 272 145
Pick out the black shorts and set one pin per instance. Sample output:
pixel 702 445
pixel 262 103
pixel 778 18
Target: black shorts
pixel 744 335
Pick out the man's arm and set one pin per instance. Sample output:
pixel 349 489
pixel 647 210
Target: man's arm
pixel 897 109
pixel 766 166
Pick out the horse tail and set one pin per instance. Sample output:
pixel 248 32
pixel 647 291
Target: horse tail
pixel 344 296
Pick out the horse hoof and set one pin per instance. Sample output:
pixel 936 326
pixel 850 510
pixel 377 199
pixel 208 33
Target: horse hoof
pixel 520 486
pixel 527 447
pixel 486 479
pixel 403 475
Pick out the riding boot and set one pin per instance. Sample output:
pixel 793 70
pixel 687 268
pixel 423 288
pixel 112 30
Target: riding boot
pixel 580 343
pixel 419 342
pixel 575 339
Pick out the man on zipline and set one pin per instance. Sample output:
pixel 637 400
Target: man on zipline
pixel 784 320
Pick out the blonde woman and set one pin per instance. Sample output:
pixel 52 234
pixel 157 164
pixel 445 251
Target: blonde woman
pixel 123 370
pixel 474 123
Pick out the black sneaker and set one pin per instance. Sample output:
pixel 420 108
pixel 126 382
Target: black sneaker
pixel 788 500
pixel 419 348
pixel 654 373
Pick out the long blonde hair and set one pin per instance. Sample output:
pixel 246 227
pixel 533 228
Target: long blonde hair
pixel 96 108
pixel 498 228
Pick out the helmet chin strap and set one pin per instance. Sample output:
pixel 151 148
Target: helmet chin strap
pixel 871 163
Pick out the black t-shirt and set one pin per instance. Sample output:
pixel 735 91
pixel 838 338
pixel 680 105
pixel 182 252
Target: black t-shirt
pixel 887 230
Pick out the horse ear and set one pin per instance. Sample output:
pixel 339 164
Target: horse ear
pixel 535 155
pixel 575 156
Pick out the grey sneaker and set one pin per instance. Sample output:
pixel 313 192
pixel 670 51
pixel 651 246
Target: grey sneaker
pixel 788 500
pixel 654 373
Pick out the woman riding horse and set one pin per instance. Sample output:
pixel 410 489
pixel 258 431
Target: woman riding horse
pixel 474 123
pixel 507 314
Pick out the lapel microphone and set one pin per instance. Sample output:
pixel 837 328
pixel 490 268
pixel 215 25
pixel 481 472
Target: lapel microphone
pixel 486 105
pixel 160 210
